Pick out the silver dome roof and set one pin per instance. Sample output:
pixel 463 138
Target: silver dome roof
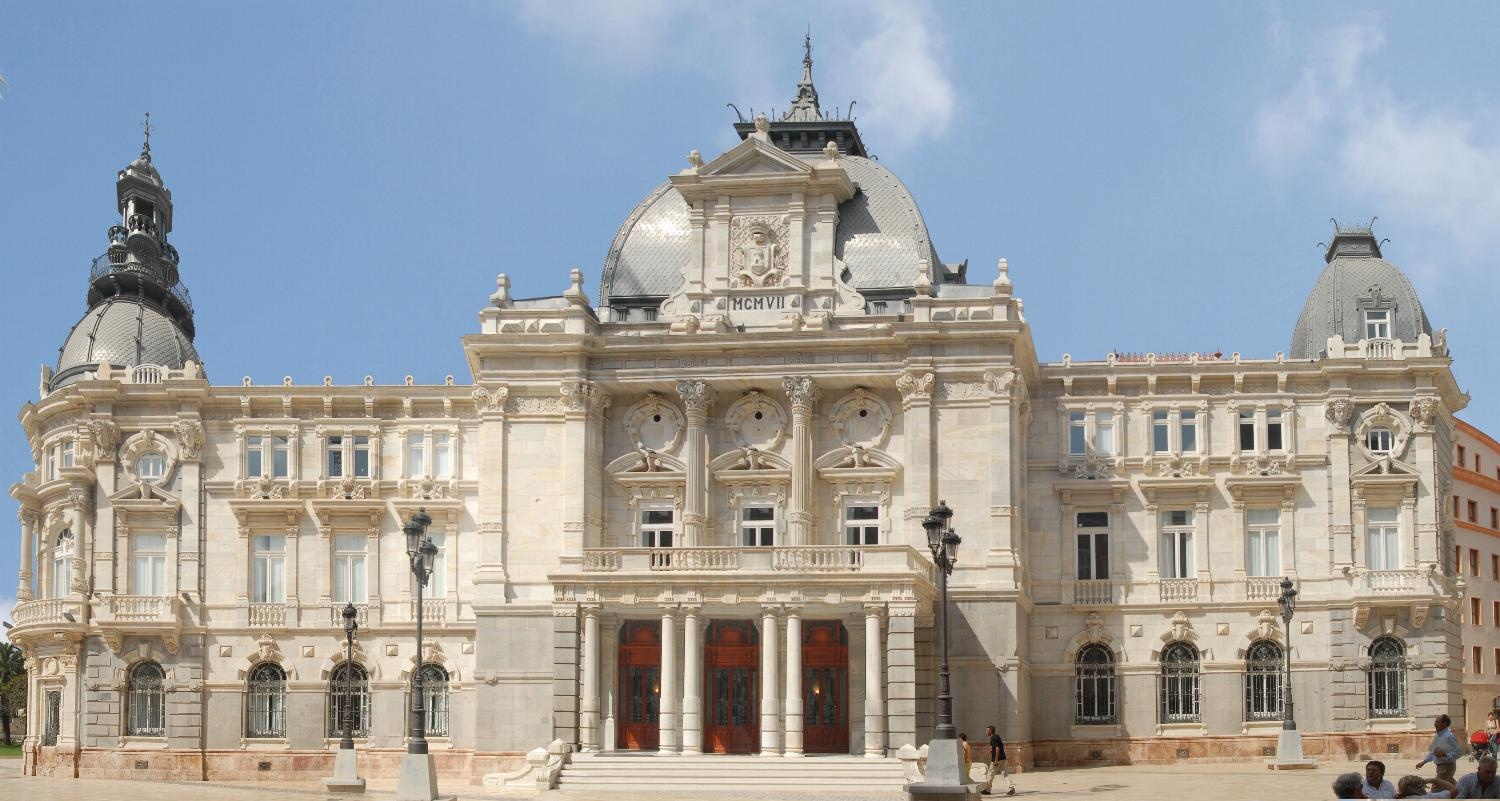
pixel 881 238
pixel 124 331
pixel 1356 278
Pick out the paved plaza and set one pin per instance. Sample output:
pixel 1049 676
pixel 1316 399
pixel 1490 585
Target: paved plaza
pixel 1223 782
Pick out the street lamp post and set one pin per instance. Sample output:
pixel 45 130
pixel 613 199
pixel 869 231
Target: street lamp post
pixel 1289 743
pixel 345 766
pixel 418 774
pixel 945 761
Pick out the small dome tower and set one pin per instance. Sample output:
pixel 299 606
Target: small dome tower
pixel 1359 296
pixel 139 310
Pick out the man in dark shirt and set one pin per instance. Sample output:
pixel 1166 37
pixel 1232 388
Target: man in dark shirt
pixel 997 761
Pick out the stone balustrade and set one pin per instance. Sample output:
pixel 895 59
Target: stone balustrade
pixel 1262 588
pixel 336 615
pixel 136 609
pixel 1179 589
pixel 50 612
pixel 267 615
pixel 1382 349
pixel 786 560
pixel 1092 592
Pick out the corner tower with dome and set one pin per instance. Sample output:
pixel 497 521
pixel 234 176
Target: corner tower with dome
pixel 686 520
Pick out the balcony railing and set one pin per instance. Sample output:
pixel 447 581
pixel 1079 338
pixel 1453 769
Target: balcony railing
pixel 1262 588
pixel 103 266
pixel 1394 582
pixel 434 610
pixel 1381 348
pixel 336 615
pixel 267 614
pixel 49 612
pixel 136 608
pixel 1091 592
pixel 1179 589
pixel 750 559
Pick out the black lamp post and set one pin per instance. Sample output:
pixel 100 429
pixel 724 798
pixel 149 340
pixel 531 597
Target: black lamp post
pixel 350 626
pixel 421 551
pixel 1288 603
pixel 943 542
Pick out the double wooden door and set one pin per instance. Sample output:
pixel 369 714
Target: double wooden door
pixel 825 687
pixel 731 687
pixel 639 714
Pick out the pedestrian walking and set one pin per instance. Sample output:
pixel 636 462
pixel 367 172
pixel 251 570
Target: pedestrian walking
pixel 963 740
pixel 997 763
pixel 1444 751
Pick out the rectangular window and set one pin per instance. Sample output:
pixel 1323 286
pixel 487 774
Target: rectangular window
pixel 1473 562
pixel 1104 433
pixel 1177 545
pixel 1161 432
pixel 1461 455
pixel 1476 463
pixel 1495 616
pixel 1455 507
pixel 648 313
pixel 861 523
pixel 1378 440
pixel 1247 431
pixel 1077 436
pixel 1495 567
pixel 442 455
pixel 1093 546
pixel 416 456
pixel 1476 612
pixel 281 457
pixel 1187 431
pixel 1274 439
pixel 758 525
pixel 1382 539
pixel 1473 511
pixel 51 464
pixel 335 457
pixel 268 570
pixel 349 568
pixel 1495 523
pixel 148 564
pixel 1478 660
pixel 362 457
pixel 1263 542
pixel 658 527
pixel 67 454
pixel 253 457
pixel 1377 324
pixel 437 583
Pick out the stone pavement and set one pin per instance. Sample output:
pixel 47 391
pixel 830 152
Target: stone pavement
pixel 1222 782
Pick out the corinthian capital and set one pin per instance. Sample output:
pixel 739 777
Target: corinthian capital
pixel 915 385
pixel 697 396
pixel 578 396
pixel 802 391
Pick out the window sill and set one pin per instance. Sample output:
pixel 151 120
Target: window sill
pixel 135 741
pixel 264 744
pixel 1261 727
pixel 1097 731
pixel 1181 730
pixel 1392 724
pixel 334 741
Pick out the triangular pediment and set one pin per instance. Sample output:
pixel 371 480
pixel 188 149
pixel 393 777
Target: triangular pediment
pixel 1386 466
pixel 754 157
pixel 144 496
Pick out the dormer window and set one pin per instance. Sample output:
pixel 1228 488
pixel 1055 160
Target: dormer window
pixel 1379 440
pixel 1377 324
pixel 150 466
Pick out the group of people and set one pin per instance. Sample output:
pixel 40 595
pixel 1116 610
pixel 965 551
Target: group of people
pixel 1444 754
pixel 995 765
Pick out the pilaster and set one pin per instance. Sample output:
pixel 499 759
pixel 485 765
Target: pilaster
pixel 803 394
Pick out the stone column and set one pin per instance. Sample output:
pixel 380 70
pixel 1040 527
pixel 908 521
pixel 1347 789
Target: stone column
pixel 697 399
pixel 28 552
pixel 874 687
pixel 803 394
pixel 692 682
pixel 589 704
pixel 490 575
pixel 793 683
pixel 669 695
pixel 769 684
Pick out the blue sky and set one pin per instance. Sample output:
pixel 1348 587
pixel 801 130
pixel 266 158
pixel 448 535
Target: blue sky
pixel 349 178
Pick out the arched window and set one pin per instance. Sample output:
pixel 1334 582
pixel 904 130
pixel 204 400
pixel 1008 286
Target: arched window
pixel 146 705
pixel 1179 684
pixel 1094 682
pixel 434 684
pixel 349 698
pixel 1263 681
pixel 265 702
pixel 1387 678
pixel 60 582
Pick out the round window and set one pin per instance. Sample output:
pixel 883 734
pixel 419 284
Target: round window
pixel 150 466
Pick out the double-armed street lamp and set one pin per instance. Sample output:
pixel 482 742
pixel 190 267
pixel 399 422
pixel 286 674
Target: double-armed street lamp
pixel 345 768
pixel 418 774
pixel 945 763
pixel 1288 603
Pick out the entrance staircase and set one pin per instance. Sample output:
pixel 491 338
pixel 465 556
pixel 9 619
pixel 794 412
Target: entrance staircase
pixel 828 775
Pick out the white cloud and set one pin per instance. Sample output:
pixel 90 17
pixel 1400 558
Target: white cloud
pixel 901 80
pixel 1427 164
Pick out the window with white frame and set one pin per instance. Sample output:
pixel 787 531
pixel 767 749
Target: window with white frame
pixel 1180 700
pixel 148 564
pixel 758 524
pixel 1164 422
pixel 1275 440
pixel 1387 678
pixel 1077 433
pixel 1187 431
pixel 1177 545
pixel 1263 542
pixel 1094 686
pixel 1247 430
pixel 1378 440
pixel 145 705
pixel 1382 538
pixel 268 456
pixel 861 523
pixel 1104 433
pixel 1377 324
pixel 1093 546
pixel 49 463
pixel 349 558
pixel 437 583
pixel 59 455
pixel 1263 690
pixel 1161 432
pixel 429 455
pixel 348 456
pixel 61 580
pixel 658 526
pixel 67 453
pixel 150 466
pixel 268 569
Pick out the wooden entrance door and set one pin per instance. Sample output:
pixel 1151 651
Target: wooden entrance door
pixel 640 686
pixel 731 687
pixel 825 687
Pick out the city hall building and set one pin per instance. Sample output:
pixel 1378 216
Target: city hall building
pixel 684 516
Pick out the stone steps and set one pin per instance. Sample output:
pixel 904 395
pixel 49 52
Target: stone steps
pixel 712 771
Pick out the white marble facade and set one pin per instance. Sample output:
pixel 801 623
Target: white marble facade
pixel 787 435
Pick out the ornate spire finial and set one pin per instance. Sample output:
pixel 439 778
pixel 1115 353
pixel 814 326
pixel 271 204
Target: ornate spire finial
pixel 146 145
pixel 805 106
